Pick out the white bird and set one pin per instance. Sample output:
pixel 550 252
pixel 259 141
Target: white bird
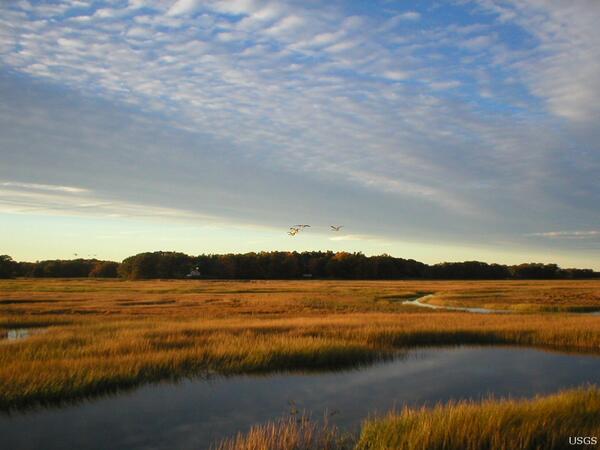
pixel 336 228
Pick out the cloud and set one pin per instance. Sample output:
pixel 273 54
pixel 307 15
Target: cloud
pixel 585 234
pixel 410 15
pixel 285 26
pixel 183 7
pixel 354 237
pixel 477 42
pixel 442 127
pixel 567 36
pixel 442 85
pixel 396 75
pixel 43 187
pixel 33 198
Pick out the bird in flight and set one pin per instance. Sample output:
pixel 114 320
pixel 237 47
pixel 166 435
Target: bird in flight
pixel 293 231
pixel 336 228
pixel 301 226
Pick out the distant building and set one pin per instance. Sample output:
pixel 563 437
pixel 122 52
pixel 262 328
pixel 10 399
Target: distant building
pixel 194 273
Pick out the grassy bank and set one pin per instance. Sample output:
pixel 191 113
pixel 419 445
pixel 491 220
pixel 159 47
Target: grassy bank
pixel 290 433
pixel 544 423
pixel 100 336
pixel 525 296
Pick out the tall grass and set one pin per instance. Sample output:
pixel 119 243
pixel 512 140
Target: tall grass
pixel 290 433
pixel 544 423
pixel 105 335
pixel 524 296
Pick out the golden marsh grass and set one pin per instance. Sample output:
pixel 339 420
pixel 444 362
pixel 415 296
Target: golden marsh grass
pixel 103 335
pixel 543 423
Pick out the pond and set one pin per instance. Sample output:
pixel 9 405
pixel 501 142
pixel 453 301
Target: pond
pixel 193 413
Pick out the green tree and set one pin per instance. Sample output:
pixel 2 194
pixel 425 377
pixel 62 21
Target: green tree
pixel 8 267
pixel 104 269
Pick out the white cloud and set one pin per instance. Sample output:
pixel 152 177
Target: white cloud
pixel 584 234
pixel 305 89
pixel 396 75
pixel 352 237
pixel 183 7
pixel 285 26
pixel 443 85
pixel 410 15
pixel 43 187
pixel 564 68
pixel 33 198
pixel 341 46
pixel 477 42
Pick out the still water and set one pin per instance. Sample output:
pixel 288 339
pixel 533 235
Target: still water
pixel 194 413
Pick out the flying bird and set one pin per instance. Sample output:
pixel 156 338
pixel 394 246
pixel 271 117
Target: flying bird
pixel 302 226
pixel 336 228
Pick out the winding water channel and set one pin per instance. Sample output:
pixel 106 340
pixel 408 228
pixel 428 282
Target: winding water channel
pixel 193 413
pixel 422 302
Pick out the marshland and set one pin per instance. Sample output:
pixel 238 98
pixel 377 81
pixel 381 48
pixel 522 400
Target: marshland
pixel 94 341
pixel 299 225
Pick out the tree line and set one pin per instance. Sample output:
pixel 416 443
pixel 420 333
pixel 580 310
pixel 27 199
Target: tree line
pixel 58 268
pixel 282 265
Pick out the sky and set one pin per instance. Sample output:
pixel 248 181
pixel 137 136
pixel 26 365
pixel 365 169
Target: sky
pixel 439 131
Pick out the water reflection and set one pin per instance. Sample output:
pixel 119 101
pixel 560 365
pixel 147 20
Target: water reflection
pixel 192 414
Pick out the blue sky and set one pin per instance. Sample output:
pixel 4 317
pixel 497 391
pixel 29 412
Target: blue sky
pixel 432 130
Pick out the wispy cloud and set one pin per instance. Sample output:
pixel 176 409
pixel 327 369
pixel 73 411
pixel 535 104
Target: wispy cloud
pixel 410 15
pixel 468 127
pixel 32 198
pixel 584 234
pixel 567 37
pixel 355 237
pixel 43 187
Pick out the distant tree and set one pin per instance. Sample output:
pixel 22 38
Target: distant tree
pixel 535 271
pixel 73 268
pixel 8 267
pixel 284 265
pixel 467 270
pixel 156 265
pixel 104 269
pixel 25 269
pixel 578 273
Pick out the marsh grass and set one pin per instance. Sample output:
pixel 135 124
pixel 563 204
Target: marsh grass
pixel 544 423
pixel 290 433
pixel 102 336
pixel 525 296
